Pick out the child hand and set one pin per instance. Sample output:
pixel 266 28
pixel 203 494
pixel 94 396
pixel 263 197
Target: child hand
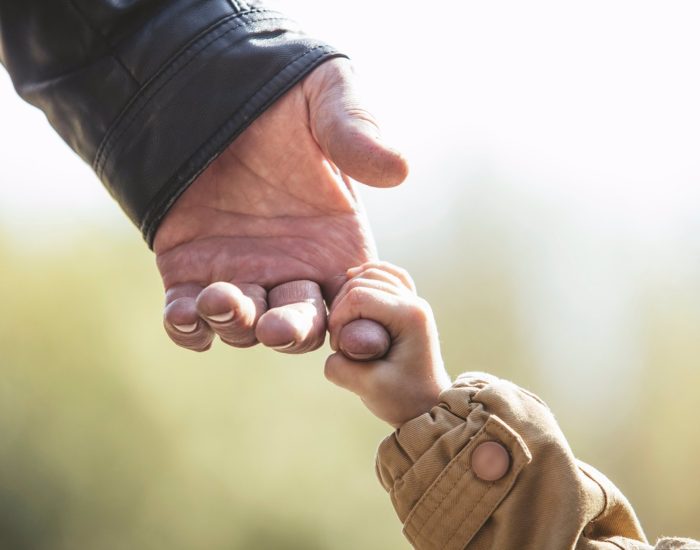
pixel 408 380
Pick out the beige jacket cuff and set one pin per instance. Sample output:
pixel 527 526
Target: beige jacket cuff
pixel 545 499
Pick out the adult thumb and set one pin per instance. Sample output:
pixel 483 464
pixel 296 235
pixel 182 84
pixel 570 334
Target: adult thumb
pixel 346 132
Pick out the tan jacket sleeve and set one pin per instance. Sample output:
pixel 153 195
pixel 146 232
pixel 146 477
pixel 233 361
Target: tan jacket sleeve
pixel 543 497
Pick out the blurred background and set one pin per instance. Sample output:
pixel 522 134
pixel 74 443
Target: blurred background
pixel 552 218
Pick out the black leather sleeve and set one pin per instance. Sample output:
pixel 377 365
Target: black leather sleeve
pixel 149 92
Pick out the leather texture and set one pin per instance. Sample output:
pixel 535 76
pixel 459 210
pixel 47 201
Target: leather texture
pixel 149 92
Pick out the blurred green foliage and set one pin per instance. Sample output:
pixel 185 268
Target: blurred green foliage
pixel 111 437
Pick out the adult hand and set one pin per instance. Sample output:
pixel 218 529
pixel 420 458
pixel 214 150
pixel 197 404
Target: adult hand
pixel 266 233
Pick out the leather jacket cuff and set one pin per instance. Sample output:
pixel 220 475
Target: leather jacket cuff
pixel 150 91
pixel 196 104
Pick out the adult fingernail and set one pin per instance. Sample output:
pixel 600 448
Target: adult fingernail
pixel 283 347
pixel 221 317
pixel 186 328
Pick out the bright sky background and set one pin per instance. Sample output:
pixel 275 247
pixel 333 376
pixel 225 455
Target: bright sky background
pixel 594 101
pixel 575 125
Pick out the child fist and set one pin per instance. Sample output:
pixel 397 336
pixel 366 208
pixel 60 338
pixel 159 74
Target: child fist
pixel 407 381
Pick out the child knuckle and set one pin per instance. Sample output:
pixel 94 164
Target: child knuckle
pixel 373 272
pixel 420 311
pixel 329 371
pixel 355 283
pixel 405 274
pixel 357 296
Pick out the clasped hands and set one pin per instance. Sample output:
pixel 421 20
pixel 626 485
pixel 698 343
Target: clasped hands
pixel 261 241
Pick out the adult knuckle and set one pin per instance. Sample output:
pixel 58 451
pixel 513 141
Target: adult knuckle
pixel 358 112
pixel 202 348
pixel 241 325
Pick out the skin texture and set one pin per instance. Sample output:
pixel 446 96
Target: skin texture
pixel 257 243
pixel 407 382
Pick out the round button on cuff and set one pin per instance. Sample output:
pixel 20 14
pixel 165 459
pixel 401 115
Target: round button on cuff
pixel 490 461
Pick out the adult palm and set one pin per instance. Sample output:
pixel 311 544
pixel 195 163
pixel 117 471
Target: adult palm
pixel 252 248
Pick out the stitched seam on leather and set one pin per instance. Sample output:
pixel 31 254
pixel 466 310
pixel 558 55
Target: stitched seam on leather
pixel 244 104
pixel 167 74
pixel 159 74
pixel 147 225
pixel 175 67
pixel 150 82
pixel 241 5
pixel 99 33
